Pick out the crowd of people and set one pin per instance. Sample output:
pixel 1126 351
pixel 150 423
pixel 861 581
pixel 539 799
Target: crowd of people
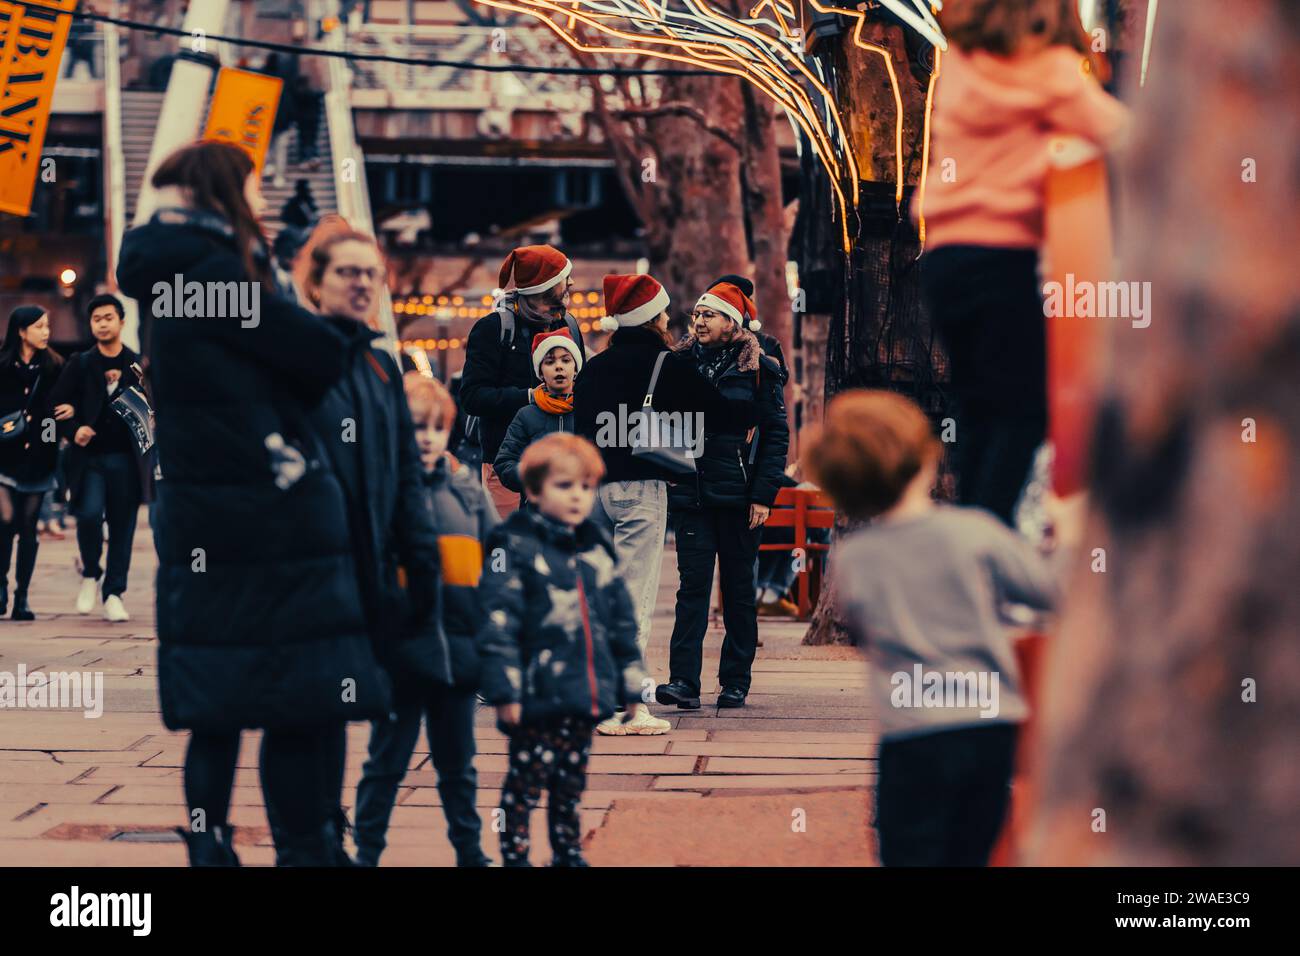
pixel 324 557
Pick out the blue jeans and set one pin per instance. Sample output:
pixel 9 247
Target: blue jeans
pixel 635 514
pixel 450 715
pixel 110 491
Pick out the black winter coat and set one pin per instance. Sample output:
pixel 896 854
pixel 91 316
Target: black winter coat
pixel 260 615
pixel 738 467
pixel 498 376
pixel 29 458
pixel 620 376
pixel 560 633
pixel 365 424
pixel 464 516
pixel 528 425
pixel 82 387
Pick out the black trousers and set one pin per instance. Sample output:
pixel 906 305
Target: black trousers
pixel 941 797
pixel 110 491
pixel 549 756
pixel 301 777
pixel 987 306
pixel 450 728
pixel 703 536
pixel 24 510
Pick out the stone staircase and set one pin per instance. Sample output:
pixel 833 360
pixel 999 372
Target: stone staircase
pixel 140 111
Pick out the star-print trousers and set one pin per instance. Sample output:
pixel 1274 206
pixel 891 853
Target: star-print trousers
pixel 551 755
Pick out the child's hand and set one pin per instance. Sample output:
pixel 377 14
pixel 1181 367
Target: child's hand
pixel 509 715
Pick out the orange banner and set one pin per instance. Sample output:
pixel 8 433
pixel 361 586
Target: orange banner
pixel 243 111
pixel 32 37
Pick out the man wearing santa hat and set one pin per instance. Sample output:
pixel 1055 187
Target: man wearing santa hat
pixel 498 378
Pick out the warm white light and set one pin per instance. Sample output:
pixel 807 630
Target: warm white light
pixel 68 276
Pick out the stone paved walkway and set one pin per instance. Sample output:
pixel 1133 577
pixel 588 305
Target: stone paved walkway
pixel 778 782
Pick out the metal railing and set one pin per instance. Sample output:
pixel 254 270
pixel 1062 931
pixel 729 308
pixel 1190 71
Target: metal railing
pixel 450 87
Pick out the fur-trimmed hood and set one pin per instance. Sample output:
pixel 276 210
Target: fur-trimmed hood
pixel 750 352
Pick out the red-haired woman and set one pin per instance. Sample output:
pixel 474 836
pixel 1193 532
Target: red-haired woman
pixel 261 622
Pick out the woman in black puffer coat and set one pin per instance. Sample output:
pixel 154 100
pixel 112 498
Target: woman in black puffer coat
pixel 719 515
pixel 261 622
pixel 29 447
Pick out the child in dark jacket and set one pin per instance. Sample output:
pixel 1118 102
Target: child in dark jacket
pixel 463 515
pixel 557 360
pixel 558 648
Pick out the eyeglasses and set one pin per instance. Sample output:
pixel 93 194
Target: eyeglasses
pixel 705 314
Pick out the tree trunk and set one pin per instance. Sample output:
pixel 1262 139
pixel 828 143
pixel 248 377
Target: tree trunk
pixel 877 335
pixel 1173 689
pixel 765 216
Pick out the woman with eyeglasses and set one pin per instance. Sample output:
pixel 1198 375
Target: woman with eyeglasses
pixel 720 514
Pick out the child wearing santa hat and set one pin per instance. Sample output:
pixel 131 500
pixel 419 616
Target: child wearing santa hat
pixel 557 360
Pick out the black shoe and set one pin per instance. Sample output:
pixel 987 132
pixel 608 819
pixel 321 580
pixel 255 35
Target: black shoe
pixel 22 611
pixel 213 847
pixel 676 692
pixel 341 825
pixel 731 697
pixel 321 848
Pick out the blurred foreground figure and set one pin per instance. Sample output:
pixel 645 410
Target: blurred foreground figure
pixel 1170 708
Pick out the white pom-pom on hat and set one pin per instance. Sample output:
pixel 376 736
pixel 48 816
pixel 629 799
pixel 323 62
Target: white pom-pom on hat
pixel 755 325
pixel 609 324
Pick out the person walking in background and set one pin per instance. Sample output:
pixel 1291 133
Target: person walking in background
pixel 1013 79
pixel 921 587
pixel 29 446
pixel 632 503
pixel 261 622
pixel 464 516
pixel 498 378
pixel 109 477
pixel 558 645
pixel 557 360
pixel 719 515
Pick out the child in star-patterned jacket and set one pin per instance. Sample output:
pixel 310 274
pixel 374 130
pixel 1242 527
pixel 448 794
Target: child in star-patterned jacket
pixel 558 648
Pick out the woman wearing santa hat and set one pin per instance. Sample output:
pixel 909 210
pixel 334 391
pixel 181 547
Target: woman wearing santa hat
pixel 633 500
pixel 499 378
pixel 720 515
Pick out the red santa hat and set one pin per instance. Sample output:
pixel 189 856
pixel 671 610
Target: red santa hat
pixel 632 300
pixel 731 301
pixel 533 269
pixel 543 342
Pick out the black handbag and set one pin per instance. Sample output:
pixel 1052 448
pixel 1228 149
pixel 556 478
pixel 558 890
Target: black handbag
pixel 666 447
pixel 14 425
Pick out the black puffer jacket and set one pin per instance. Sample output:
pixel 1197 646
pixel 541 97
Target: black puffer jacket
pixel 617 379
pixel 498 376
pixel 560 634
pixel 260 616
pixel 465 517
pixel 529 424
pixel 738 467
pixel 29 458
pixel 365 424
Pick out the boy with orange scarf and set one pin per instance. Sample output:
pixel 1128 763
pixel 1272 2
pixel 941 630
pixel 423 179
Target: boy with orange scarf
pixel 557 360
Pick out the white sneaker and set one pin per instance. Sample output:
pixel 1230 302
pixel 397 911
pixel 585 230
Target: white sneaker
pixel 645 724
pixel 114 611
pixel 86 596
pixel 612 726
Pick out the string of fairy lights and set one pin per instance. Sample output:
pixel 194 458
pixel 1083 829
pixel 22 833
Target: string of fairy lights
pixel 585 306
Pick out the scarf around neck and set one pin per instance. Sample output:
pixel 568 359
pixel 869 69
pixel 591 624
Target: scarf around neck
pixel 552 404
pixel 714 361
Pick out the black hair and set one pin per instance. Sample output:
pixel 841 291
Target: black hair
pixel 99 301
pixel 740 282
pixel 20 318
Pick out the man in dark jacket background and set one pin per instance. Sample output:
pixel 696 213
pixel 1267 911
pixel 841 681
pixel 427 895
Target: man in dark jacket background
pixel 107 473
pixel 498 377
